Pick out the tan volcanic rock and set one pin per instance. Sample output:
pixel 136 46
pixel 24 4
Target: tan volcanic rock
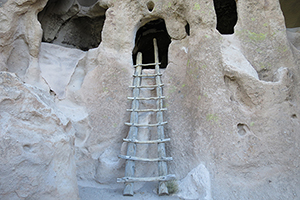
pixel 37 152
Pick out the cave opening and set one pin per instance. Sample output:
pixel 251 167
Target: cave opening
pixel 72 24
pixel 226 12
pixel 290 9
pixel 187 29
pixel 144 43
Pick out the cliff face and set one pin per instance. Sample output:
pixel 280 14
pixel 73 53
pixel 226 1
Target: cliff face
pixel 231 84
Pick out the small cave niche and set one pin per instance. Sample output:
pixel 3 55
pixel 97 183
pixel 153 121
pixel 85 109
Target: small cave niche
pixel 144 43
pixel 150 6
pixel 226 13
pixel 71 24
pixel 243 129
pixel 291 12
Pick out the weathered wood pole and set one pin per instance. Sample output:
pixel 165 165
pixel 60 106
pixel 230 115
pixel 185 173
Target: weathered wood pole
pixel 162 165
pixel 133 131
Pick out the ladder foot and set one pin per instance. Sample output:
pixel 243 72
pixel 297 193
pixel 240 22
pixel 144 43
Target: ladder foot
pixel 162 189
pixel 128 190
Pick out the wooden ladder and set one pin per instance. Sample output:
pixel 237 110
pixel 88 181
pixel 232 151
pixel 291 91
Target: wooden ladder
pixel 134 124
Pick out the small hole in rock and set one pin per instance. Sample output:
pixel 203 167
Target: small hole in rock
pixel 187 29
pixel 26 147
pixel 294 116
pixel 228 79
pixel 242 129
pixel 52 92
pixel 150 6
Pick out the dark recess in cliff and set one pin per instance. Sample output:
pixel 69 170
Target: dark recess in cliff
pixel 144 42
pixel 291 12
pixel 226 15
pixel 64 24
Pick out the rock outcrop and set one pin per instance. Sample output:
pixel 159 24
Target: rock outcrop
pixel 36 144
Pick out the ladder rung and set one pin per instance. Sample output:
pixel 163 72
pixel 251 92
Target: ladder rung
pixel 169 177
pixel 150 125
pixel 145 159
pixel 146 110
pixel 147 86
pixel 147 75
pixel 147 142
pixel 146 98
pixel 149 64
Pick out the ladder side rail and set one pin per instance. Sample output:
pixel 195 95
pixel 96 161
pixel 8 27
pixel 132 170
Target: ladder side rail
pixel 133 131
pixel 162 165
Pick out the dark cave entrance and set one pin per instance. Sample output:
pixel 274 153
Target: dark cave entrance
pixel 226 12
pixel 70 24
pixel 144 43
pixel 291 12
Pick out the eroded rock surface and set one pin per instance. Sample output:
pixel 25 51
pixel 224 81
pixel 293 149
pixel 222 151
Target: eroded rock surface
pixel 37 150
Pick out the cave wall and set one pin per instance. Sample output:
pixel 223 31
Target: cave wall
pixel 233 103
pixel 72 24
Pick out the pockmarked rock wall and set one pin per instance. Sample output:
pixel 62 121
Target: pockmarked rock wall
pixel 233 100
pixel 36 144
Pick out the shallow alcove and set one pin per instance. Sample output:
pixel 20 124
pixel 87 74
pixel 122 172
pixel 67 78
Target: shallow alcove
pixel 150 6
pixel 144 42
pixel 242 129
pixel 226 12
pixel 291 12
pixel 64 23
